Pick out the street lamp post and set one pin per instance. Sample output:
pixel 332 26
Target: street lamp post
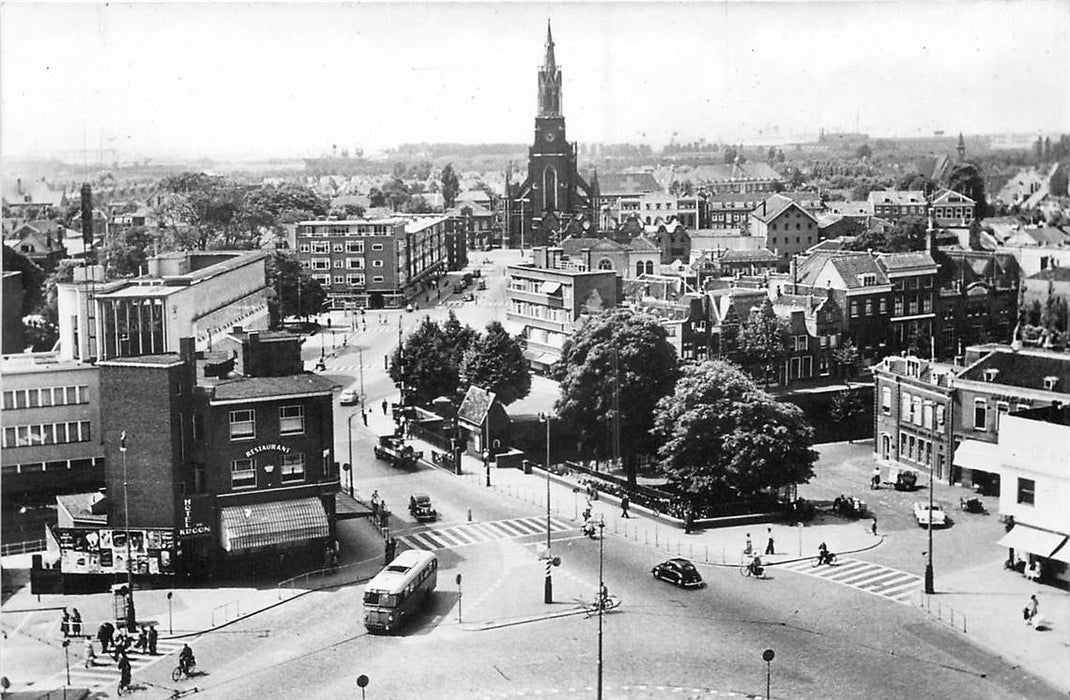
pixel 131 616
pixel 349 428
pixel 929 588
pixel 601 600
pixel 548 586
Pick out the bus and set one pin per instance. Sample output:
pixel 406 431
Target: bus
pixel 399 589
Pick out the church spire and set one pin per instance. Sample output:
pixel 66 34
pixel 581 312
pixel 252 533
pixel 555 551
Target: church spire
pixel 549 64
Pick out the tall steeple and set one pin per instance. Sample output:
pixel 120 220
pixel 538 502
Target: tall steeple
pixel 549 64
pixel 549 81
pixel 961 148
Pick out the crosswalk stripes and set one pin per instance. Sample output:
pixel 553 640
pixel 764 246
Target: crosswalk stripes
pixel 890 583
pixel 478 533
pixel 105 670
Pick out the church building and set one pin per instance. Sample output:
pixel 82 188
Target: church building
pixel 554 200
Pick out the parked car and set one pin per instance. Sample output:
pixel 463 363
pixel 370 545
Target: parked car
pixel 420 508
pixel 458 288
pixel 906 480
pixel 679 572
pixel 469 297
pixel 927 518
pixel 349 397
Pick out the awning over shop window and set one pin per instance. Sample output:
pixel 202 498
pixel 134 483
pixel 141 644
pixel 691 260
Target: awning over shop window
pixel 974 454
pixel 1062 553
pixel 283 523
pixel 551 287
pixel 1030 539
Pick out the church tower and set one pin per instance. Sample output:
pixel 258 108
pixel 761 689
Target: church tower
pixel 554 194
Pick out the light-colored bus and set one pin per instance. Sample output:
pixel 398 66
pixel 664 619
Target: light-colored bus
pixel 399 589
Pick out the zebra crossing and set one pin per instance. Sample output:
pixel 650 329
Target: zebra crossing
pixel 105 670
pixel 479 533
pixel 898 586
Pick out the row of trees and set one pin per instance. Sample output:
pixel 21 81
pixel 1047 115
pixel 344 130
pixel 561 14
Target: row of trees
pixel 712 429
pixel 445 359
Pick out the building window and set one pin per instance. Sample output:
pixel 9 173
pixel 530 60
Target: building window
pixel 354 246
pixel 854 309
pixel 339 279
pixel 377 263
pixel 927 413
pixel 941 415
pixel 242 425
pixel 1002 407
pixel 886 400
pixel 883 306
pixel 980 414
pixel 1027 489
pixel 291 420
pixel 377 278
pixel 355 280
pixel 321 264
pixel 605 264
pixel 304 248
pixel 377 246
pixel 899 306
pixel 915 411
pixel 293 467
pixel 242 474
pixel 355 263
pixel 321 247
pixel 869 307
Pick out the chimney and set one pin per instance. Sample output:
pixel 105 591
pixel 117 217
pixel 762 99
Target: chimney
pixel 252 362
pixel 187 350
pixel 763 207
pixel 18 185
pixel 794 270
pixel 587 258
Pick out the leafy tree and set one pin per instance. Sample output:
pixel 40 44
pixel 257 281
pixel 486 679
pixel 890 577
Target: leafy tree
pixel 376 197
pixel 907 234
pixel 495 361
pixel 397 194
pixel 264 206
pixel 293 290
pixel 347 211
pixel 613 371
pixel 422 366
pixel 864 151
pixel 127 251
pixel 848 358
pixel 458 338
pixel 967 179
pixel 762 343
pixel 722 435
pixel 916 181
pixel 845 406
pixel 451 186
pixel 202 211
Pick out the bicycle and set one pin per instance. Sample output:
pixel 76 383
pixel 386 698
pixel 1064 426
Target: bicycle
pixel 829 559
pixel 181 672
pixel 125 688
pixel 605 604
pixel 749 570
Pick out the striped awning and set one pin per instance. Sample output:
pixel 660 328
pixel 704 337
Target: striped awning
pixel 279 523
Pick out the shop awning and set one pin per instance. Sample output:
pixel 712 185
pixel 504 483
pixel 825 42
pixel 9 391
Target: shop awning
pixel 1062 553
pixel 974 454
pixel 551 287
pixel 1030 539
pixel 284 523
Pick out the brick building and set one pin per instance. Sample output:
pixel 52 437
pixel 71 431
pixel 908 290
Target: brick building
pixel 233 451
pixel 374 264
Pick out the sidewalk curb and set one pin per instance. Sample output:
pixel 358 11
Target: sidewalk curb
pixel 797 559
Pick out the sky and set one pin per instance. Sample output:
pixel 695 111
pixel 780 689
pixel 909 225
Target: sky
pixel 254 80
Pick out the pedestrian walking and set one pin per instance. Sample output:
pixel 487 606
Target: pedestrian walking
pixel 1030 610
pixel 390 548
pixel 873 527
pixel 364 417
pixel 624 503
pixel 124 671
pixel 375 502
pixel 90 654
pixel 748 548
pixel 384 407
pixel 76 623
pixel 153 638
pixel 65 624
pixel 143 639
pixel 769 545
pixel 104 635
pixel 689 521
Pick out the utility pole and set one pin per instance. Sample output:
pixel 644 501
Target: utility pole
pixel 601 599
pixel 131 616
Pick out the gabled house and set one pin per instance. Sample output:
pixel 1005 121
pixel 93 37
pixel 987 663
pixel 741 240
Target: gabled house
pixel 786 226
pixel 950 208
pixel 40 241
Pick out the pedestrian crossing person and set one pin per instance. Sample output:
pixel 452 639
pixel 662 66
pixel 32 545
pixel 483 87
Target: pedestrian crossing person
pixel 76 623
pixel 624 503
pixel 748 547
pixel 90 655
pixel 769 545
pixel 65 624
pixel 104 634
pixel 153 637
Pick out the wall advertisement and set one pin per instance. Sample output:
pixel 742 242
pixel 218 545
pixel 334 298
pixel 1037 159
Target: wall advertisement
pixel 104 551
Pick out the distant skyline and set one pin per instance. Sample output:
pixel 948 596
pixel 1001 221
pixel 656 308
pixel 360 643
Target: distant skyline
pixel 289 80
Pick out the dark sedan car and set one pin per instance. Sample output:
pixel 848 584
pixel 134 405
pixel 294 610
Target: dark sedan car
pixel 679 572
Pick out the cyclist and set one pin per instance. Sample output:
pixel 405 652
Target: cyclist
pixel 824 556
pixel 186 661
pixel 756 567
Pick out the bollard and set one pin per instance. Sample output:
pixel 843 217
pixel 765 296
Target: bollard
pixel 469 515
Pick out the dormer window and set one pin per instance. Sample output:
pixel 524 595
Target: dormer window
pixel 1050 382
pixel 868 280
pixel 913 368
pixel 990 374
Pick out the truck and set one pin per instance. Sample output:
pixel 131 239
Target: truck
pixel 393 450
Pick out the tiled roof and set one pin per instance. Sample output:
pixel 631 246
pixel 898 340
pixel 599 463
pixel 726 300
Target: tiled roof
pixel 627 183
pixel 896 197
pixel 476 404
pixel 926 370
pixel 856 208
pixel 905 261
pixel 643 244
pixel 852 267
pixel 951 196
pixel 759 255
pixel 1055 274
pixel 267 387
pixel 775 206
pixel 1025 369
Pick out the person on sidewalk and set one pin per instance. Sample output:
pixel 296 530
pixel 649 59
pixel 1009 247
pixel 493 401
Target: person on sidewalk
pixel 375 502
pixel 1030 611
pixel 748 548
pixel 143 639
pixel 384 406
pixel 769 545
pixel 124 671
pixel 76 623
pixel 624 503
pixel 873 527
pixel 90 654
pixel 65 624
pixel 104 635
pixel 153 637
